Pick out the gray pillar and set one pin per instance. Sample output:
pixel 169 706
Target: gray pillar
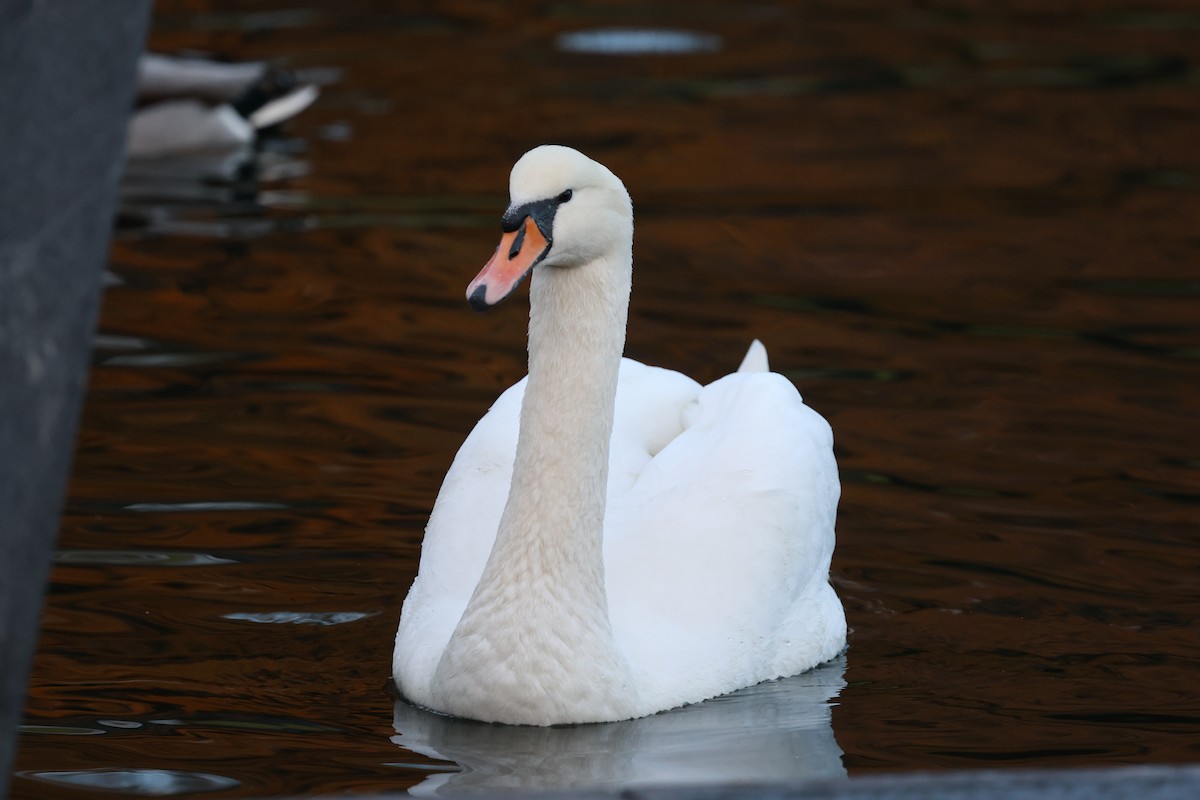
pixel 67 72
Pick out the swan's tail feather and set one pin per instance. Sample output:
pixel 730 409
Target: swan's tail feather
pixel 756 359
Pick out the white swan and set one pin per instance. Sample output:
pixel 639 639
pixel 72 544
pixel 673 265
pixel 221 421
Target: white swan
pixel 565 580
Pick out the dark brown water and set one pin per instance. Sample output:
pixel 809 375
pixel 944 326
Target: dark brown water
pixel 971 236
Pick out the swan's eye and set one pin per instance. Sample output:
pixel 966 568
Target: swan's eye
pixel 565 196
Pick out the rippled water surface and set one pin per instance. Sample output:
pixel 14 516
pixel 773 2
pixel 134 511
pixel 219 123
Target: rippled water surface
pixel 971 237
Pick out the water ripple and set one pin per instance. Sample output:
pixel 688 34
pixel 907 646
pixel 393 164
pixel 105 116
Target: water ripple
pixel 60 730
pixel 299 617
pixel 138 558
pixel 147 782
pixel 638 42
pixel 207 505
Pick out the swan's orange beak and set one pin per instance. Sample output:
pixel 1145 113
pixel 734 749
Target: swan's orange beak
pixel 520 251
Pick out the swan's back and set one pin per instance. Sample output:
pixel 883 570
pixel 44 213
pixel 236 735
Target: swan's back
pixel 719 554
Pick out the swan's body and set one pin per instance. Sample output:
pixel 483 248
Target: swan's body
pixel 613 539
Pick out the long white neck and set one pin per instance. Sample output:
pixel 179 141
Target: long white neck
pixel 555 510
pixel 535 644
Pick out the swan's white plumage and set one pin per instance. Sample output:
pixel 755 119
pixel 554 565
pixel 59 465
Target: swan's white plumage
pixel 718 531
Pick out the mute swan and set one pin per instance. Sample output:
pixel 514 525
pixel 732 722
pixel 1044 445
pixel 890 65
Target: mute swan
pixel 613 539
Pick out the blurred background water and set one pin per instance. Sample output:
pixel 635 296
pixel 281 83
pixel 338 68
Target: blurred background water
pixel 969 233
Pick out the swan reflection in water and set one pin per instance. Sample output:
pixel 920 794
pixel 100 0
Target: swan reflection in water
pixel 780 730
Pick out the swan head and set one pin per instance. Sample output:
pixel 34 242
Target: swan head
pixel 565 210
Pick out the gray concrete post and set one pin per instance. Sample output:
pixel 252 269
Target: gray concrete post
pixel 67 71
